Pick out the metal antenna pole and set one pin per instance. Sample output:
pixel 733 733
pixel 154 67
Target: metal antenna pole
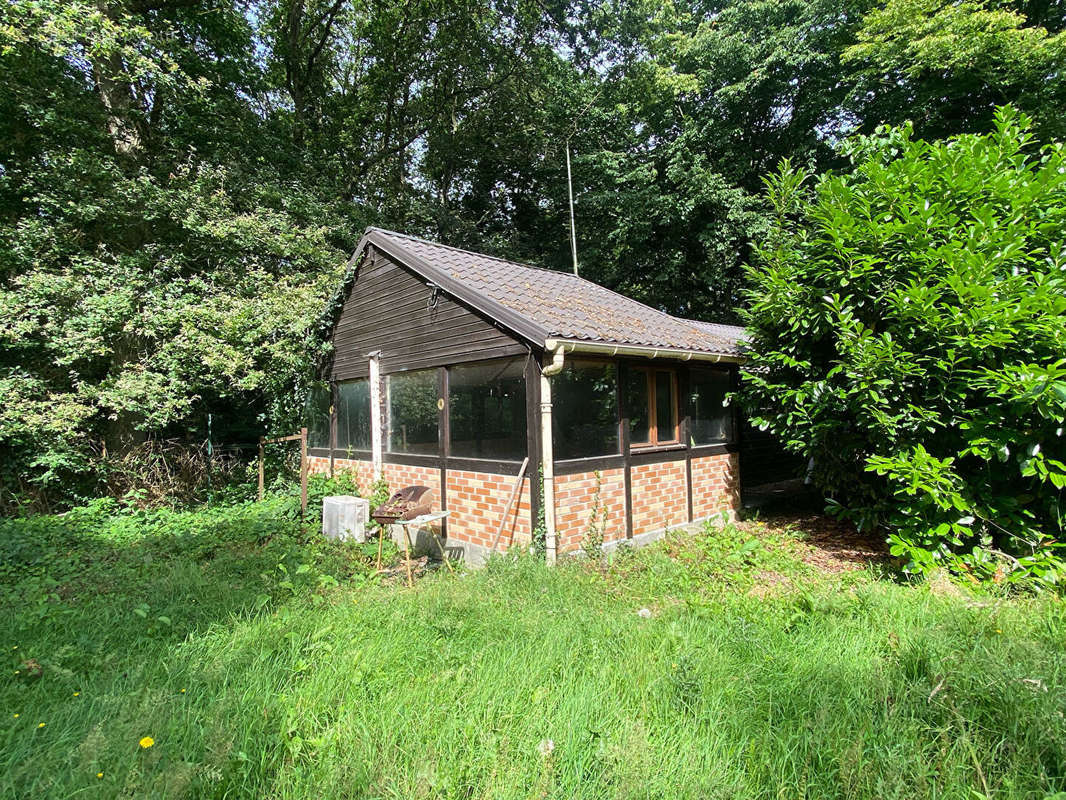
pixel 570 193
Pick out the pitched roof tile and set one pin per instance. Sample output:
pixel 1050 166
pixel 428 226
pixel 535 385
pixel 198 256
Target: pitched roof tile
pixel 567 306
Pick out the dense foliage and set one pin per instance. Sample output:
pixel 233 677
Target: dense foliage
pixel 909 322
pixel 181 182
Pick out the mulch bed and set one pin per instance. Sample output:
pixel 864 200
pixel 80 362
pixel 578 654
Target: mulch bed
pixel 834 546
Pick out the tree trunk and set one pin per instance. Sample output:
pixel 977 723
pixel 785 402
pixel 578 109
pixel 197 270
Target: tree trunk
pixel 117 97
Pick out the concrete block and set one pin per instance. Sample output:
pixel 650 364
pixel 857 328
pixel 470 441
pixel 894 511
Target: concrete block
pixel 345 517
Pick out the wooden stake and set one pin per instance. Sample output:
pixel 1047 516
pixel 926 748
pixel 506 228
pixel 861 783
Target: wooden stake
pixel 261 442
pixel 303 474
pixel 510 502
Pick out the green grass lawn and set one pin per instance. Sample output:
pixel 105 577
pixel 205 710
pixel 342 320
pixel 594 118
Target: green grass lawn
pixel 262 666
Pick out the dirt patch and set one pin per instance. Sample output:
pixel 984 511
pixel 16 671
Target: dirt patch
pixel 829 545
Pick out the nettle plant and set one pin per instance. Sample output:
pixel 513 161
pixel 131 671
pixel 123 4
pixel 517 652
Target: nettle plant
pixel 908 326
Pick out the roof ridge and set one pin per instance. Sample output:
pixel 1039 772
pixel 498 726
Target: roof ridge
pixel 471 252
pixel 568 275
pixel 708 322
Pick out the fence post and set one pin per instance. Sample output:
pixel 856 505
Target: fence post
pixel 261 438
pixel 303 473
pixel 210 455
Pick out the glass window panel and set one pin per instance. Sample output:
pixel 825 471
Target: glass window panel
pixel 635 388
pixel 316 416
pixel 412 404
pixel 711 420
pixel 353 415
pixel 665 407
pixel 585 410
pixel 487 404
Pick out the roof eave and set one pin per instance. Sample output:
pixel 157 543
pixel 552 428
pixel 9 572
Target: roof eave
pixel 642 351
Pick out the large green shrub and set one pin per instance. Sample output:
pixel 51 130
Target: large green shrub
pixel 908 329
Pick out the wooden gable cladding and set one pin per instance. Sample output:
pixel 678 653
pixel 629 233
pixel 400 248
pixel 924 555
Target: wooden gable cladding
pixel 387 308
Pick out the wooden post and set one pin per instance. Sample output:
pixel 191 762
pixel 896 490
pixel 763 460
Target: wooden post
pixel 303 474
pixel 377 435
pixel 261 440
pixel 407 555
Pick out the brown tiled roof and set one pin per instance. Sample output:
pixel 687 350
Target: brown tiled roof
pixel 543 304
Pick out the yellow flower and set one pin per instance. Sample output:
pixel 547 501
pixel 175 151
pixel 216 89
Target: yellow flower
pixel 183 691
pixel 76 693
pixel 40 725
pixel 147 742
pixel 16 716
pixel 99 774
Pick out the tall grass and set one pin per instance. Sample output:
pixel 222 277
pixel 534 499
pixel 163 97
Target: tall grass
pixel 517 681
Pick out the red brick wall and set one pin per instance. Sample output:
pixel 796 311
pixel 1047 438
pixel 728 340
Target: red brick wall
pixel 477 501
pixel 575 497
pixel 715 485
pixel 364 470
pixel 660 496
pixel 399 475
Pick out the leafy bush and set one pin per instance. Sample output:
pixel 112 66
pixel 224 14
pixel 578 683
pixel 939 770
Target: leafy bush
pixel 908 327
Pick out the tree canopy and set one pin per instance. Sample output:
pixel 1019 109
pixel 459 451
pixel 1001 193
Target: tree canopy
pixel 181 182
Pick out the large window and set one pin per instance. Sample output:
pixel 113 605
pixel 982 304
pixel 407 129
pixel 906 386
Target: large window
pixel 353 415
pixel 711 420
pixel 412 403
pixel 585 410
pixel 316 416
pixel 487 404
pixel 651 403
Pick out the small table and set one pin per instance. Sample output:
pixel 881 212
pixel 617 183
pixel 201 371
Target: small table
pixel 420 520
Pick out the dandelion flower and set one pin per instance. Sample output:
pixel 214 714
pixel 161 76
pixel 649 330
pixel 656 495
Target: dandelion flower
pixel 76 693
pixel 40 724
pixel 183 691
pixel 147 742
pixel 99 774
pixel 16 716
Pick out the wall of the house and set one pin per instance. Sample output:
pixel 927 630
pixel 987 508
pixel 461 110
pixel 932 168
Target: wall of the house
pixel 715 484
pixel 388 309
pixel 477 502
pixel 575 500
pixel 660 496
pixel 364 470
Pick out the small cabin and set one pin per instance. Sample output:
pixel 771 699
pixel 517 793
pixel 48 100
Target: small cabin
pixel 527 399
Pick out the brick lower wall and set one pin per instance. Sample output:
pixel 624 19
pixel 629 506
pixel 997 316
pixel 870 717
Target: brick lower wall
pixel 364 470
pixel 399 475
pixel 477 502
pixel 715 484
pixel 575 499
pixel 660 496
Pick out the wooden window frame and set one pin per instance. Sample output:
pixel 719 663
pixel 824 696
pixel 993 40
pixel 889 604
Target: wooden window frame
pixel 653 416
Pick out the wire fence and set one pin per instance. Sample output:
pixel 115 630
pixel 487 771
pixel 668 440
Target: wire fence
pixel 195 468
